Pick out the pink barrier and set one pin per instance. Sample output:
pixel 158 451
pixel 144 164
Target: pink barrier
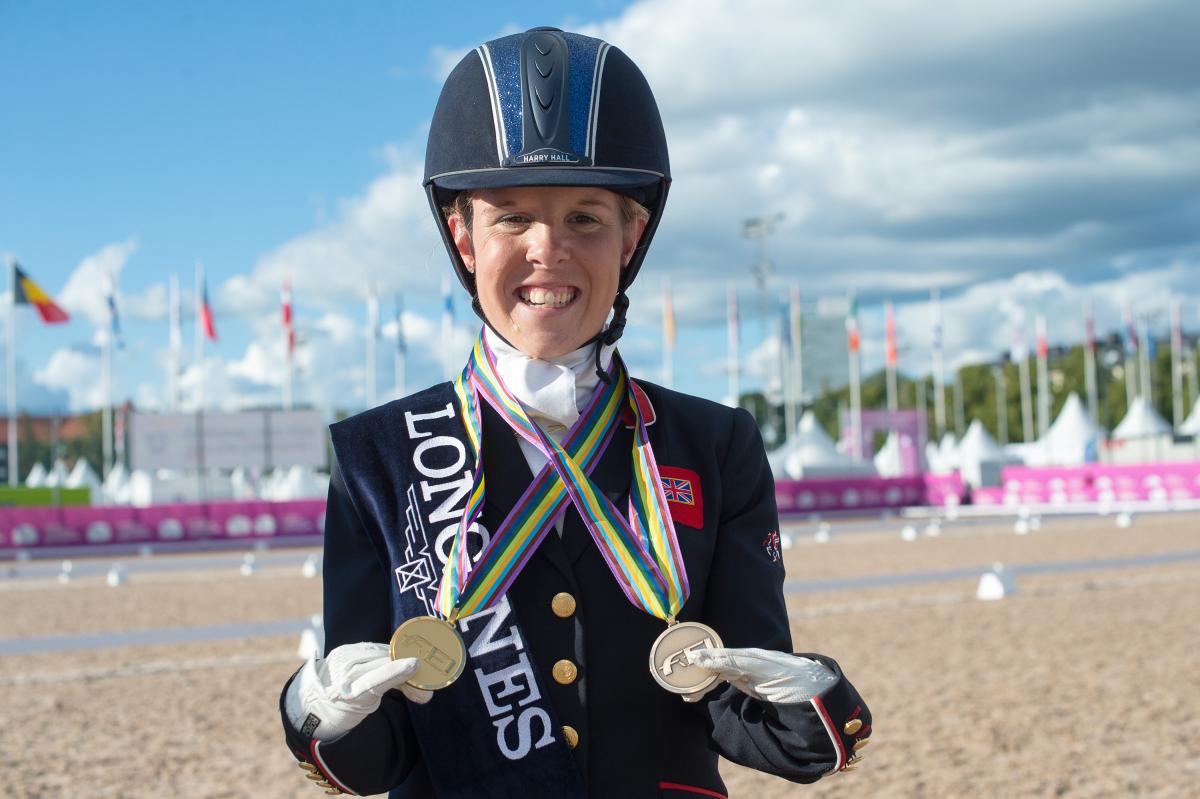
pixel 31 528
pixel 865 493
pixel 1021 485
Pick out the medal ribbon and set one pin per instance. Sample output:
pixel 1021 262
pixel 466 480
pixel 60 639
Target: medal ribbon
pixel 642 553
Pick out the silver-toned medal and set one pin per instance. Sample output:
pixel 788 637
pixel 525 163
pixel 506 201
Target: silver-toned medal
pixel 668 657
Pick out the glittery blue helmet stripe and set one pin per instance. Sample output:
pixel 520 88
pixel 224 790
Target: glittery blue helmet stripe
pixel 502 66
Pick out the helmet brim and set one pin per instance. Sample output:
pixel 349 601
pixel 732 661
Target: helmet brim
pixel 637 183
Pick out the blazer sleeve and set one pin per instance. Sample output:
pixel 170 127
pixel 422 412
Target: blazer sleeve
pixel 744 602
pixel 381 752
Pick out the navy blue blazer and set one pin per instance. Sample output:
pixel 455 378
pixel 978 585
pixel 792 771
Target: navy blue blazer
pixel 631 738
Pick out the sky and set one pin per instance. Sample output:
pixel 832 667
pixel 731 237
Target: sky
pixel 1019 158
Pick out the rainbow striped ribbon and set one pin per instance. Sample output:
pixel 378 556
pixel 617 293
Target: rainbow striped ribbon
pixel 643 553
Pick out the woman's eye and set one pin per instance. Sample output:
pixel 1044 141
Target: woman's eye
pixel 513 219
pixel 585 219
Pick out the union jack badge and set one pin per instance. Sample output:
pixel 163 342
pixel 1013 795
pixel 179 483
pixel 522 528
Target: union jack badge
pixel 681 487
pixel 772 546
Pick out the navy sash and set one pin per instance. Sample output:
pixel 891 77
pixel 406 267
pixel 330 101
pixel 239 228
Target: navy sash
pixel 494 732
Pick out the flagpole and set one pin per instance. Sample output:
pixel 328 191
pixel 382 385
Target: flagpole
pixel 106 411
pixel 893 402
pixel 13 466
pixel 1130 348
pixel 1026 400
pixel 939 380
pixel 199 343
pixel 1043 376
pixel 1144 360
pixel 372 360
pixel 398 362
pixel 960 420
pixel 1089 362
pixel 797 324
pixel 1176 366
pixel 855 386
pixel 787 363
pixel 175 357
pixel 731 321
pixel 289 338
pixel 447 328
pixel 1001 404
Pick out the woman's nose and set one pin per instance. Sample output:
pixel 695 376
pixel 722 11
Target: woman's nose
pixel 547 244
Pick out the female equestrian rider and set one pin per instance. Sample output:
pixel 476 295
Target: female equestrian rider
pixel 545 578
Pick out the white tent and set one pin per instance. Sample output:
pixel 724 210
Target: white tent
pixel 1141 421
pixel 980 458
pixel 811 453
pixel 1191 425
pixel 1072 439
pixel 888 461
pixel 116 485
pixel 57 476
pixel 37 476
pixel 84 476
pixel 942 457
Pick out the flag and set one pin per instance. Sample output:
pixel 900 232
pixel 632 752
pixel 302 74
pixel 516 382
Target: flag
pixel 401 344
pixel 1131 336
pixel 114 319
pixel 668 315
pixel 1089 328
pixel 288 325
pixel 1043 346
pixel 206 313
pixel 30 293
pixel 936 300
pixel 890 333
pixel 1020 349
pixel 852 341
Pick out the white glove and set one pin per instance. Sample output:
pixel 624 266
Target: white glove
pixel 775 677
pixel 346 686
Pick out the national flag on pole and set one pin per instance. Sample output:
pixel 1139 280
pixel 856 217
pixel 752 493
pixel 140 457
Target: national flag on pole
pixel 852 340
pixel 30 293
pixel 114 319
pixel 1131 336
pixel 289 326
pixel 1043 346
pixel 668 315
pixel 401 344
pixel 206 313
pixel 890 350
pixel 1089 328
pixel 1020 348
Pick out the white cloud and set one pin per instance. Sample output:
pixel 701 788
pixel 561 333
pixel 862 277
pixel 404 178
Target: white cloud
pixel 76 373
pixel 85 292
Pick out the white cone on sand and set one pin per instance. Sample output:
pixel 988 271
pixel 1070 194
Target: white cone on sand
pixel 116 576
pixel 311 567
pixel 996 584
pixel 248 567
pixel 312 640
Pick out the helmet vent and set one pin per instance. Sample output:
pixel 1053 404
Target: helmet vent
pixel 546 93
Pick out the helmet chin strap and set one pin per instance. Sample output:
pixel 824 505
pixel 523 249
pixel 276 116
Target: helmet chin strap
pixel 605 337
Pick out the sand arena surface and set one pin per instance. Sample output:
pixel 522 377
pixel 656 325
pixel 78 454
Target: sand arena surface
pixel 1081 685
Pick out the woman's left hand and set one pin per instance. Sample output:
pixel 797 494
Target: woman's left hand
pixel 769 676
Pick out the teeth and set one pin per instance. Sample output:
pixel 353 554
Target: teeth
pixel 542 297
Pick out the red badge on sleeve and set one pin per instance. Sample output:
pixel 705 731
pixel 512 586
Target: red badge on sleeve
pixel 682 490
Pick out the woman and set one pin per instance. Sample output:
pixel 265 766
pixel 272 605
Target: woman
pixel 564 519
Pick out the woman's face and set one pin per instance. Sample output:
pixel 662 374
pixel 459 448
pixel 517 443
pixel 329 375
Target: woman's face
pixel 547 261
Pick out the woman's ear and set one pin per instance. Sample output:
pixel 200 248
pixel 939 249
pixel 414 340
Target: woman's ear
pixel 462 240
pixel 633 235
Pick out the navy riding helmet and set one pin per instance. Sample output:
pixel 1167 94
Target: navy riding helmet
pixel 548 108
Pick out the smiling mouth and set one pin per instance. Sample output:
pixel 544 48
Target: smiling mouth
pixel 547 298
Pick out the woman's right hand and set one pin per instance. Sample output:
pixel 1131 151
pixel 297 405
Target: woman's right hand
pixel 329 696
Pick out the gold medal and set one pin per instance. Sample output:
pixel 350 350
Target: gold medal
pixel 436 645
pixel 668 657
